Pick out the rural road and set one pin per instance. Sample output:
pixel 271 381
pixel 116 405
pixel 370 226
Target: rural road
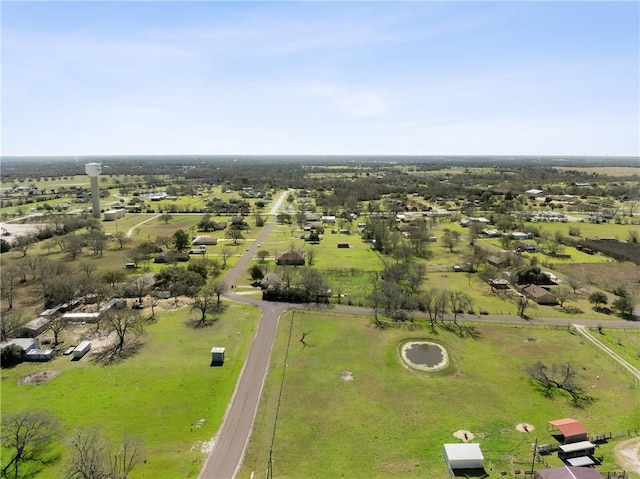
pixel 229 444
pixel 226 456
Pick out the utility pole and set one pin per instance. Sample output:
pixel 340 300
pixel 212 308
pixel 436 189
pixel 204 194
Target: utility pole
pixel 535 451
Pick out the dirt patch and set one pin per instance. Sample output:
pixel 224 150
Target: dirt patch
pixel 627 454
pixel 464 435
pixel 346 376
pixel 524 427
pixel 39 377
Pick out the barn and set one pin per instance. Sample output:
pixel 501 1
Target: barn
pixel 463 456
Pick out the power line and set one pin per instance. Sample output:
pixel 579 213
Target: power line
pixel 275 421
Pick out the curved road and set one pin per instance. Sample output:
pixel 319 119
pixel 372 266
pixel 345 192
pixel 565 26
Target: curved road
pixel 225 458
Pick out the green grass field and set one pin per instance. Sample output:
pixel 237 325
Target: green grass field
pixel 155 395
pixel 391 422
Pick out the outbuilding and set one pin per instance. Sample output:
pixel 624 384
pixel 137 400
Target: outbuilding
pixel 463 456
pixel 567 430
pixel 217 355
pixel 81 349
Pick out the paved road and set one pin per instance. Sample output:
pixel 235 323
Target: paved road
pixel 225 458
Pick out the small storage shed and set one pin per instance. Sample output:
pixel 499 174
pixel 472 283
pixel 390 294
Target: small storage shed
pixel 81 349
pixel 40 355
pixel 217 355
pixel 567 430
pixel 464 456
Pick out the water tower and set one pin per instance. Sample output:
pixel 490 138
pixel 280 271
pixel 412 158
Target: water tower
pixel 93 170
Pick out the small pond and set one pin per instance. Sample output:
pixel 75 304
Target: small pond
pixel 424 355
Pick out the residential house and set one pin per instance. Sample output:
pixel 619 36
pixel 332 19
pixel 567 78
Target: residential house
pixel 537 293
pixel 291 258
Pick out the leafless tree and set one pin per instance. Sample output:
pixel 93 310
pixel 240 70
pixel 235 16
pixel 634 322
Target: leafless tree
pixel 575 283
pixel 73 245
pixel 559 376
pixel 218 288
pixel 9 323
pixel 450 239
pixel 93 457
pixel 56 326
pixel 142 286
pixel 24 243
pixel 121 238
pixel 204 302
pixel 88 458
pixel 562 295
pixel 124 323
pixel 27 436
pixel 9 283
pixel 459 300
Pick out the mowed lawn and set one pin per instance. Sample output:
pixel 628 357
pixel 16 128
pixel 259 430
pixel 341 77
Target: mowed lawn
pixel 156 395
pixel 391 422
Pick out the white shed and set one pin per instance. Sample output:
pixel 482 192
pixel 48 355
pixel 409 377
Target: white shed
pixel 464 456
pixel 217 355
pixel 81 349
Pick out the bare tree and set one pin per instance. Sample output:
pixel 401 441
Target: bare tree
pixel 204 302
pixel 575 283
pixel 124 323
pixel 121 238
pixel 459 300
pixel 262 255
pixel 73 245
pixel 88 458
pixel 9 323
pixel 56 326
pixel 559 376
pixel 93 457
pixel 24 243
pixel 8 284
pixel 125 458
pixel 27 435
pixel 562 295
pixel 218 288
pixel 450 239
pixel 141 286
pixel 226 252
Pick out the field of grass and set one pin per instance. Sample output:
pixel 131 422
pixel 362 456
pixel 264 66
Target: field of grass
pixel 391 422
pixel 625 343
pixel 589 230
pixel 156 395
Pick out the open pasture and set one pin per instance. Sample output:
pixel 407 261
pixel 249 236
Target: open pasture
pixel 350 409
pixel 159 395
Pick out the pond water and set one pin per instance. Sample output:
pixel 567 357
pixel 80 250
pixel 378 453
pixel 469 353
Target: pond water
pixel 425 355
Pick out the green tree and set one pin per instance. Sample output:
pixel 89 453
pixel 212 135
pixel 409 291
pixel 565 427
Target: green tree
pixel 181 240
pixel 624 305
pixel 256 273
pixel 597 298
pixel 166 217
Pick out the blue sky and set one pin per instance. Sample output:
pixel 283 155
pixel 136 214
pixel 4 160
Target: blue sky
pixel 414 78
